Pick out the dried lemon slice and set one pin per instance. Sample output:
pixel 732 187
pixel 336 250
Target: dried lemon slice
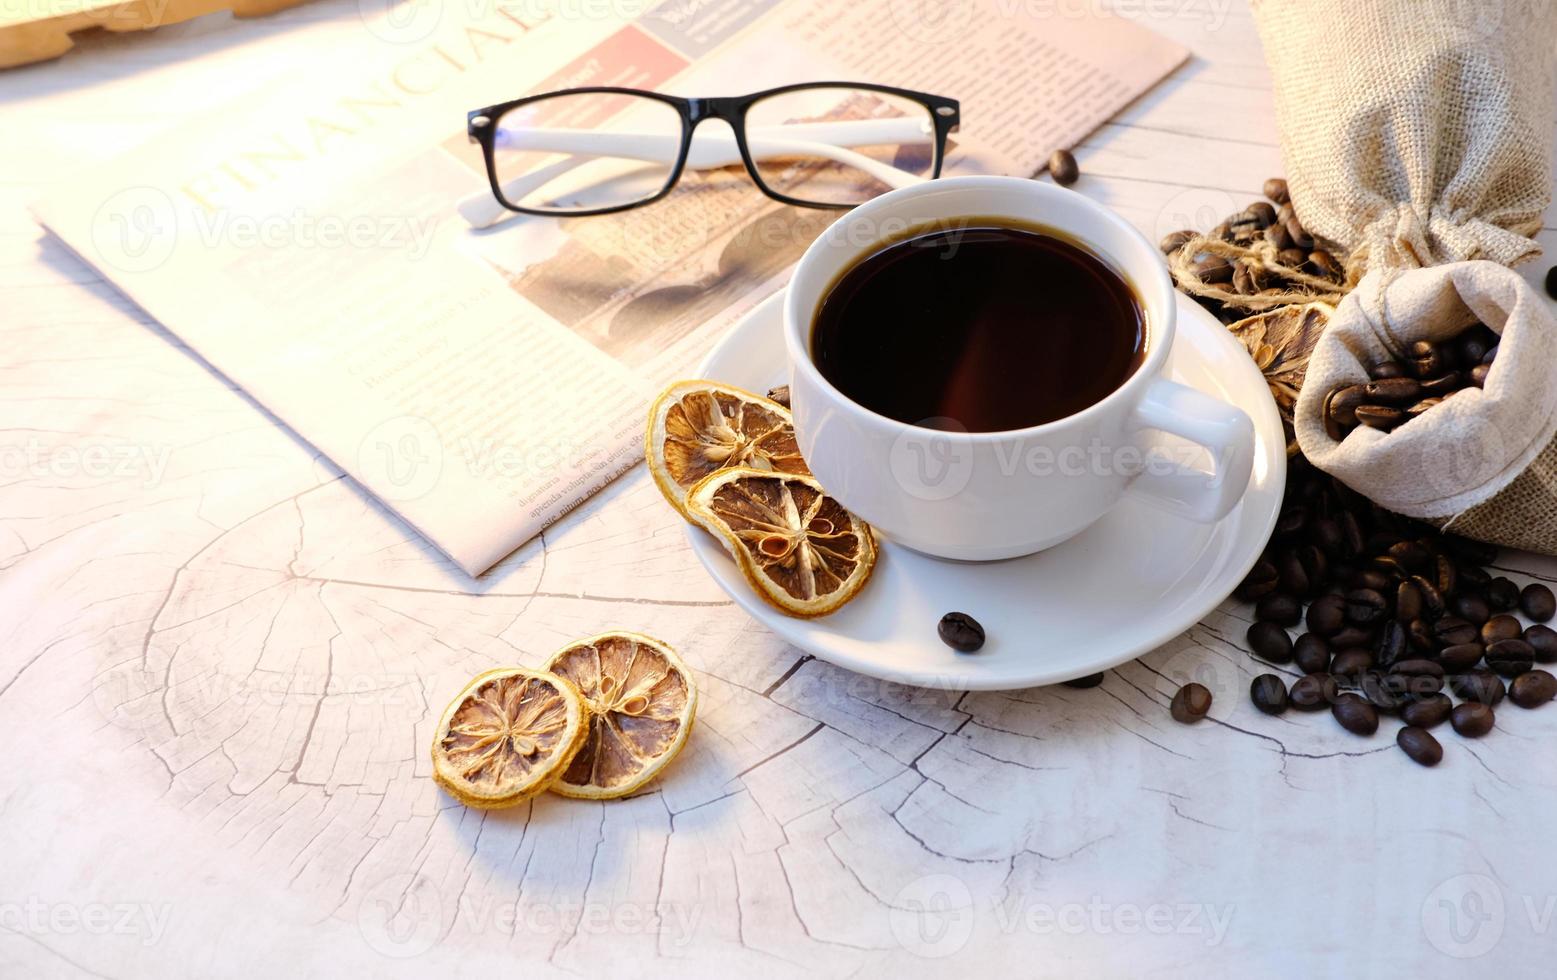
pixel 508 735
pixel 699 427
pixel 640 700
pixel 796 546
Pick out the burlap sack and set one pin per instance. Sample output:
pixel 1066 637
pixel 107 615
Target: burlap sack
pixel 1418 135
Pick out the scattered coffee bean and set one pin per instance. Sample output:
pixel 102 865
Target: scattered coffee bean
pixel 1269 642
pixel 1311 654
pixel 1392 644
pixel 1427 712
pixel 1280 608
pixel 1299 235
pixel 1355 715
pixel 1364 606
pixel 1175 240
pixel 1420 745
pixel 1352 636
pixel 1063 167
pixel 1312 692
pixel 1327 615
pixel 1213 269
pixel 1452 631
pixel 1471 607
pixel 1276 190
pixel 1478 685
pixel 1269 694
pixel 1322 263
pixel 1261 580
pixel 1543 641
pixel 1351 664
pixel 1510 658
pixel 1263 213
pixel 1292 258
pixel 1408 602
pixel 1501 628
pixel 961 632
pixel 1537 602
pixel 1471 719
pixel 1091 680
pixel 1502 594
pixel 1191 703
pixel 1532 689
pixel 1432 598
pixel 1461 657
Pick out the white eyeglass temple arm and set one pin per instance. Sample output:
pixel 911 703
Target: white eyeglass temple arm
pixel 828 140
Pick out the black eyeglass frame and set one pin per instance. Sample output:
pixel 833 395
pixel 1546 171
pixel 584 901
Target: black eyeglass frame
pixel 481 126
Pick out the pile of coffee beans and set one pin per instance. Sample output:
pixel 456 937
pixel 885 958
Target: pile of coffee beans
pixel 1401 390
pixel 1395 613
pixel 1271 220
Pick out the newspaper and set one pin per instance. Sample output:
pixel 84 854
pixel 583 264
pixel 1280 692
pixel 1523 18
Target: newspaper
pixel 480 382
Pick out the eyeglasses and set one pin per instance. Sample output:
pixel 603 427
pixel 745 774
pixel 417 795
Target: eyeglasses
pixel 598 150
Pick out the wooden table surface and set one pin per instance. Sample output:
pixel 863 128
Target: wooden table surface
pixel 219 666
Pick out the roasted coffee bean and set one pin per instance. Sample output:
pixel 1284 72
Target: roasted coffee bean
pixel 1532 689
pixel 1292 576
pixel 1214 269
pixel 1312 692
pixel 1383 417
pixel 1501 628
pixel 1537 602
pixel 1543 641
pixel 1316 567
pixel 1471 719
pixel 1551 274
pixel 1491 354
pixel 1380 693
pixel 1446 579
pixel 1299 235
pixel 1432 599
pixel 1408 602
pixel 1365 606
pixel 1269 694
pixel 780 395
pixel 1261 580
pixel 1470 607
pixel 1419 636
pixel 1276 190
pixel 961 632
pixel 1424 360
pixel 1351 664
pixel 1472 578
pixel 1387 371
pixel 1322 263
pixel 1278 238
pixel 1460 657
pixel 1420 745
pixel 1311 654
pixel 1351 532
pixel 1091 680
pixel 1063 168
pixel 1326 615
pixel 1510 658
pixel 1355 715
pixel 1290 521
pixel 1175 240
pixel 1478 375
pixel 1190 704
pixel 1342 403
pixel 1502 594
pixel 1263 213
pixel 1411 556
pixel 1393 391
pixel 1427 712
pixel 1280 608
pixel 1269 642
pixel 1412 687
pixel 1392 644
pixel 1418 667
pixel 1445 384
pixel 1374 578
pixel 1471 347
pixel 1478 685
pixel 1246 281
pixel 1223 231
pixel 1452 631
pixel 1352 636
pixel 1326 533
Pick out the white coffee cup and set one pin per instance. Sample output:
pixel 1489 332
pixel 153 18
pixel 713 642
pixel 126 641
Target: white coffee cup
pixel 981 496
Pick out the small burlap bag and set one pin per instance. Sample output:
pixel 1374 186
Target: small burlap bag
pixel 1418 135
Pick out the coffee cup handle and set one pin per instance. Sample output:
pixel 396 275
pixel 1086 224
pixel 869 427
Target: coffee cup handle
pixel 1223 429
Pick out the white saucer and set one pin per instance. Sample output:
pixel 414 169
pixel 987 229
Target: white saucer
pixel 1131 582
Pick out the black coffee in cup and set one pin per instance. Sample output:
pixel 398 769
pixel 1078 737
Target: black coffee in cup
pixel 990 325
